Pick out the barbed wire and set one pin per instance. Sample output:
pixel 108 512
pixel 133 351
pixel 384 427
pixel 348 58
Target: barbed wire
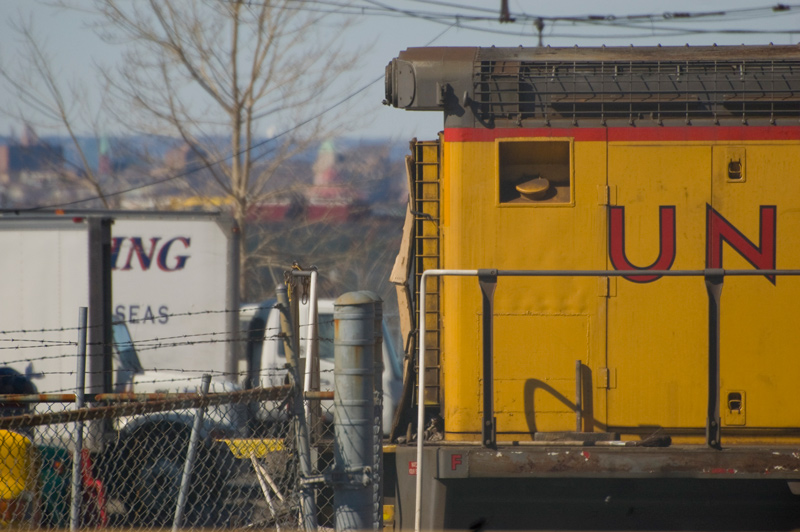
pixel 40 344
pixel 167 316
pixel 155 343
pixel 193 371
pixel 158 376
pixel 47 358
pixel 136 321
pixel 264 372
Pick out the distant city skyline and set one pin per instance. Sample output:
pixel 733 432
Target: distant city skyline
pixel 383 29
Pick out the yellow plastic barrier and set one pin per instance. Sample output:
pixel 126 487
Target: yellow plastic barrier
pixel 257 447
pixel 18 487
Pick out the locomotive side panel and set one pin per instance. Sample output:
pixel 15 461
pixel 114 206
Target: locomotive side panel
pixel 760 336
pixel 653 374
pixel 542 326
pixel 658 328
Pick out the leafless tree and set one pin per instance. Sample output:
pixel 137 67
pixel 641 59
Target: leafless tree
pixel 211 72
pixel 353 247
pixel 357 254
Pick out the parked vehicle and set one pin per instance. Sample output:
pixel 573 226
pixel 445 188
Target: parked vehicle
pixel 265 361
pixel 51 266
pixel 142 270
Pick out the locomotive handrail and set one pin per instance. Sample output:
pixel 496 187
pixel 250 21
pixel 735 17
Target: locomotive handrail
pixel 488 280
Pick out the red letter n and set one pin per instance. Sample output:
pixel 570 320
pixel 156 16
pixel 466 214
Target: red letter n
pixel 718 229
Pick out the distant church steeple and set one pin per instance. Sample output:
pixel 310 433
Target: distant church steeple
pixel 104 159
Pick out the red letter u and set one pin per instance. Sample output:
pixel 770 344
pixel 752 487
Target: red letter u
pixel 666 244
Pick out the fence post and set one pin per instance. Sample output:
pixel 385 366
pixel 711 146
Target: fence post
pixel 191 453
pixel 77 462
pixel 354 410
pixel 100 336
pixel 309 506
pixel 377 425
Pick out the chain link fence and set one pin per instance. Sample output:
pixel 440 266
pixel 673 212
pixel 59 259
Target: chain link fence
pixel 129 467
pixel 131 471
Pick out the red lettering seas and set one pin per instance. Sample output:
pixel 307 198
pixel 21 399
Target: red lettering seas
pixel 718 230
pixel 166 258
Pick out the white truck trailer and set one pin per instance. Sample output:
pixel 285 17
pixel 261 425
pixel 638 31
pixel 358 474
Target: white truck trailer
pixel 172 278
pixel 173 281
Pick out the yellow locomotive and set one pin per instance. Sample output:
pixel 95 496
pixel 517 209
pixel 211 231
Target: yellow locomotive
pixel 612 241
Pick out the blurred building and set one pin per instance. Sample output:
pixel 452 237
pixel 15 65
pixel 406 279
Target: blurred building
pixel 182 158
pixel 29 157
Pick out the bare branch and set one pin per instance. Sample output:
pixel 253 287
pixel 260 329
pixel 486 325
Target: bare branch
pixel 51 103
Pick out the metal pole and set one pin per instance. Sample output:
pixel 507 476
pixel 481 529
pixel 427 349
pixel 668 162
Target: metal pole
pixel 578 396
pixel 282 296
pixel 100 335
pixel 377 423
pixel 191 454
pixel 77 462
pixel 312 349
pixel 354 409
pixel 309 505
pixel 714 292
pixel 714 281
pixel 233 350
pixel 377 427
pixel 487 280
pixel 311 377
pixel 421 381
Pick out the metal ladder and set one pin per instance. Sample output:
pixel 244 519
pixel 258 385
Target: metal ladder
pixel 427 252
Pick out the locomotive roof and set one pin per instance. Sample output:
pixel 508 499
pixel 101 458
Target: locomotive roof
pixel 606 53
pixel 528 87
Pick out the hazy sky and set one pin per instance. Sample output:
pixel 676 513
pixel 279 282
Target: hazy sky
pixel 385 27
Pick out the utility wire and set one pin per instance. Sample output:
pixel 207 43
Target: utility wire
pixel 643 22
pixel 374 7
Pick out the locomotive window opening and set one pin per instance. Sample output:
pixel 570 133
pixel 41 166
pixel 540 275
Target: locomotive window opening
pixel 534 172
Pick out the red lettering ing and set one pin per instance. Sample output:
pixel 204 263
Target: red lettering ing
pixel 136 248
pixel 180 260
pixel 165 261
pixel 666 245
pixel 455 461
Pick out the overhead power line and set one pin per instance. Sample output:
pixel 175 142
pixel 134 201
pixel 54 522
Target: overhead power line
pixel 466 17
pixel 455 12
